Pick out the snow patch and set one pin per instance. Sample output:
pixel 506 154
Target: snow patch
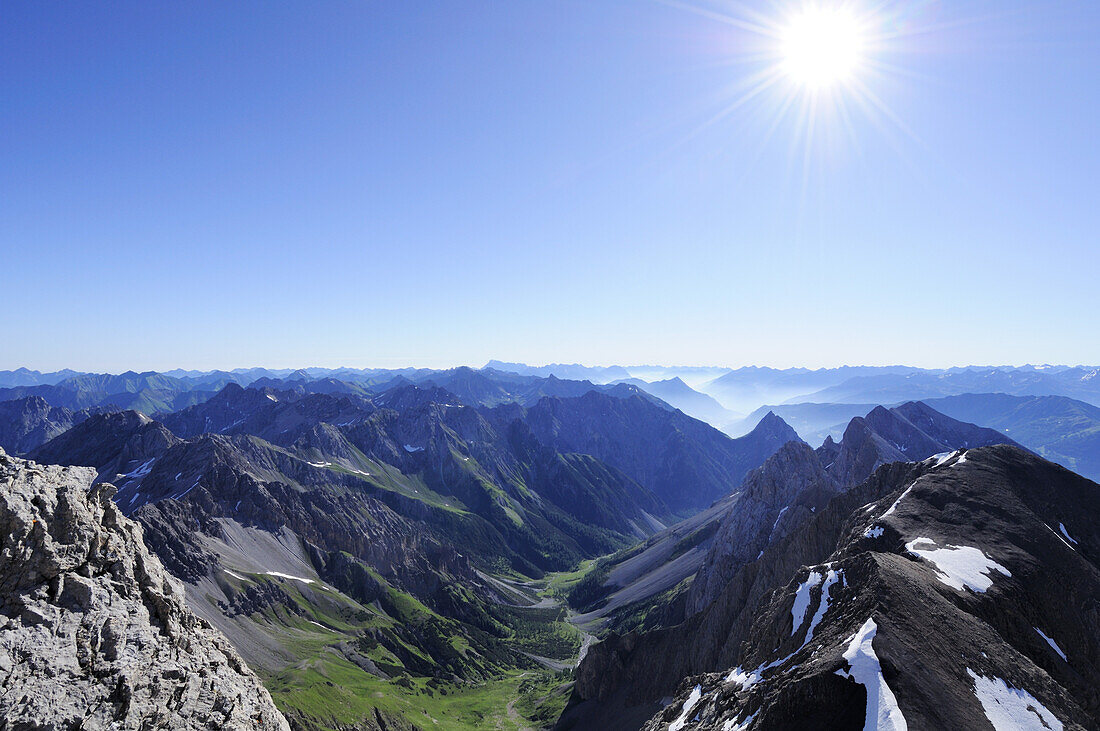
pixel 1052 643
pixel 823 605
pixel 874 531
pixel 1011 709
pixel 235 575
pixel 696 694
pixel 958 566
pixel 412 450
pixel 779 517
pixel 941 458
pixel 802 600
pixel 882 712
pixel 895 505
pixel 734 725
pixel 288 576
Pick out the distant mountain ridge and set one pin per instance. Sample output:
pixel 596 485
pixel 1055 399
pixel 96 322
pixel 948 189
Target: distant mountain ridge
pixel 741 391
pixel 1060 429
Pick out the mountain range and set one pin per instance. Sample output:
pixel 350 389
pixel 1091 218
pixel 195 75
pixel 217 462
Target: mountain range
pixel 514 547
pixel 406 510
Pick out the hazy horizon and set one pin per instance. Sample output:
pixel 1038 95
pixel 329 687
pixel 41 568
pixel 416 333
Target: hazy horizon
pixel 485 363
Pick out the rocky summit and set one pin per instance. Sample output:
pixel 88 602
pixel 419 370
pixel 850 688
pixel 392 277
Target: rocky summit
pixel 94 634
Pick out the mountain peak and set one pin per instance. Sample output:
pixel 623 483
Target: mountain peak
pixel 773 425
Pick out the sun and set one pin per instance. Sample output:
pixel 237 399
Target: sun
pixel 821 47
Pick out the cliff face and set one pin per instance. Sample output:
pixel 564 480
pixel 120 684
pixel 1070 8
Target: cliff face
pixel 777 498
pixel 93 632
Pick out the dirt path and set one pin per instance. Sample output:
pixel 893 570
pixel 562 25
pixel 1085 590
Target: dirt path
pixel 513 714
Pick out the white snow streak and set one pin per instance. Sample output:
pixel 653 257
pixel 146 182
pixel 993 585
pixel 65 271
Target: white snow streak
pixel 696 694
pixel 875 531
pixel 823 605
pixel 288 576
pixel 958 566
pixel 802 600
pixel 1052 643
pixel 941 457
pixel 882 713
pixel 1009 709
pixel 742 726
pixel 895 505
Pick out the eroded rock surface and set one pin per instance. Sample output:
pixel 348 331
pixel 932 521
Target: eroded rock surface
pixel 93 632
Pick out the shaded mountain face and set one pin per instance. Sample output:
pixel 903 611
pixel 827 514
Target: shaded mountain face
pixel 96 634
pixel 686 463
pixel 1060 429
pixel 536 502
pixel 776 501
pixel 28 422
pixel 963 595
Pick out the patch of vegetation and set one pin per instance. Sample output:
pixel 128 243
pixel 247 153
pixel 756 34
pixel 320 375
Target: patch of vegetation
pixel 659 610
pixel 693 539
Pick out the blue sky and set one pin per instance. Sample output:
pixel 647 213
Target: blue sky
pixel 218 185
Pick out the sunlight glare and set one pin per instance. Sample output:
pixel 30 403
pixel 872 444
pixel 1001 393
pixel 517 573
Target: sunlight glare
pixel 821 46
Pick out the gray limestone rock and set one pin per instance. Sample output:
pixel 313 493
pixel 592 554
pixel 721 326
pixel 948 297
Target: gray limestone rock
pixel 94 634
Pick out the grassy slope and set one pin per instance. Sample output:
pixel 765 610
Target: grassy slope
pixel 324 689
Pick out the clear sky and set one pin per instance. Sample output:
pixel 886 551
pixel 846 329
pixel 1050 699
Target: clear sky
pixel 228 184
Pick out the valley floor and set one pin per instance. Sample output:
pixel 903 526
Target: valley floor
pixel 327 692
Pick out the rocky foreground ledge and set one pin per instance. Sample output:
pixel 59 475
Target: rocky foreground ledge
pixel 94 633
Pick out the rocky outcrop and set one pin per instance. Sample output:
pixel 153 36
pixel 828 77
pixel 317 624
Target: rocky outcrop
pixel 95 634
